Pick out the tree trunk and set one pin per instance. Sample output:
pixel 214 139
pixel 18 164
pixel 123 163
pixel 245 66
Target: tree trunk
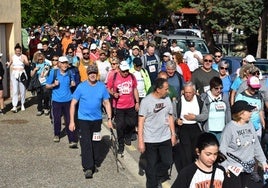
pixel 207 33
pixel 259 47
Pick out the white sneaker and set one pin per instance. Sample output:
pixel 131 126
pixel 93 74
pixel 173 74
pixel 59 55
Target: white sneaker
pixel 14 109
pixel 22 108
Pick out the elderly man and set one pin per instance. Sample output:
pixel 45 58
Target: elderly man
pixel 204 74
pixel 187 130
pixel 123 87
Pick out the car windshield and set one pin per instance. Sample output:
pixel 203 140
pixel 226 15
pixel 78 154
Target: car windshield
pixel 199 45
pixel 263 68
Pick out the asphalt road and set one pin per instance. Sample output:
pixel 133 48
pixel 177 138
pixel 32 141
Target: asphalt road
pixel 30 158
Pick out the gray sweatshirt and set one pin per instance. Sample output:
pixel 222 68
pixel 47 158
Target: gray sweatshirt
pixel 242 142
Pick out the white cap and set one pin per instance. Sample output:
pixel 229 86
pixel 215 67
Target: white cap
pixel 250 58
pixel 39 46
pixel 93 46
pixel 124 66
pixel 167 54
pixel 63 59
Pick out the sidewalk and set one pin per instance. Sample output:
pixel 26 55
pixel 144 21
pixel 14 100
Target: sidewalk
pixel 30 158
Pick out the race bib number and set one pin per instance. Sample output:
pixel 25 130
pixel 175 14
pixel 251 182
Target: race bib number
pixel 125 90
pixel 42 80
pixel 152 68
pixel 235 170
pixel 96 136
pixel 219 107
pixel 206 88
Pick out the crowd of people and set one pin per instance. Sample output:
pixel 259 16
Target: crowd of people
pixel 165 97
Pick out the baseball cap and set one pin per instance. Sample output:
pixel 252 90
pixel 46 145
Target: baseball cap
pixel 250 58
pixel 254 82
pixel 137 61
pixel 240 106
pixel 135 47
pixel 191 44
pixel 124 66
pixel 93 68
pixel 63 59
pixel 167 54
pixel 93 46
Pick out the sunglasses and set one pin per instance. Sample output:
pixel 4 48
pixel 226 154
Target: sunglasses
pixel 164 42
pixel 114 63
pixel 218 88
pixel 85 53
pixel 208 60
pixel 55 60
pixel 224 68
pixel 125 71
pixel 256 73
pixel 114 52
pixel 70 52
pixel 217 55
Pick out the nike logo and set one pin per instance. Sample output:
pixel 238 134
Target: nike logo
pixel 158 107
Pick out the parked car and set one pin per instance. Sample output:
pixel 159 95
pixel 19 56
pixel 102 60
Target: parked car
pixel 188 32
pixel 182 42
pixel 235 63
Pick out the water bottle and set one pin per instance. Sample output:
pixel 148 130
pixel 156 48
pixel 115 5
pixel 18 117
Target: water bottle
pixel 265 177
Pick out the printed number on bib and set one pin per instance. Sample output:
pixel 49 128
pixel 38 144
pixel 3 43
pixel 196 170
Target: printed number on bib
pixel 152 68
pixel 235 170
pixel 96 136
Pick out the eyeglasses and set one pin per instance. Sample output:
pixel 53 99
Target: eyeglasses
pixel 218 88
pixel 55 60
pixel 86 53
pixel 225 68
pixel 208 60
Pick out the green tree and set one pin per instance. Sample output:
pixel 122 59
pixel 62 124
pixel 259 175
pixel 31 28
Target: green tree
pixel 218 14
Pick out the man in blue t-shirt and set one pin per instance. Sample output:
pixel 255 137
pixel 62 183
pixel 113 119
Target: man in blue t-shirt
pixel 90 94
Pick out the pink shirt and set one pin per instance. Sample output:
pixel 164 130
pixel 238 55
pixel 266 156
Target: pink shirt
pixel 125 88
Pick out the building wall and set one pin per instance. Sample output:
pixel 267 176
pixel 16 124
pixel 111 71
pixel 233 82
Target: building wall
pixel 10 33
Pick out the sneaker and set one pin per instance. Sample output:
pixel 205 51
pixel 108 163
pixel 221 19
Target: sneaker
pixel 46 112
pixel 128 141
pixel 120 150
pixel 1 112
pixel 255 177
pixel 88 174
pixel 22 108
pixel 73 145
pixel 39 113
pixel 56 139
pixel 14 109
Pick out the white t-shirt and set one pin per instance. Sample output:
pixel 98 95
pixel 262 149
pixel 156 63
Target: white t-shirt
pixel 104 68
pixel 140 84
pixel 191 61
